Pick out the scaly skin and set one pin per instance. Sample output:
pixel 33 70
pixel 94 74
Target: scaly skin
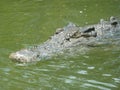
pixel 67 37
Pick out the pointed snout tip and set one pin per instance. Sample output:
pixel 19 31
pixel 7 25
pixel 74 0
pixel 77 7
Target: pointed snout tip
pixel 18 58
pixel 12 56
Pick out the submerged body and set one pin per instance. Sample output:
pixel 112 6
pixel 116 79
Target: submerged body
pixel 68 37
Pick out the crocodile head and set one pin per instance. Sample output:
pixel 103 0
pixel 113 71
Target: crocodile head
pixel 67 37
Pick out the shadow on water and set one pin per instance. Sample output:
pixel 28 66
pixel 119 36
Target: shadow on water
pixel 25 23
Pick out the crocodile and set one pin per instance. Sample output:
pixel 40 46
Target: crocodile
pixel 69 37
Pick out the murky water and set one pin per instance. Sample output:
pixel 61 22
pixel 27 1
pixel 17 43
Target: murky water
pixel 24 23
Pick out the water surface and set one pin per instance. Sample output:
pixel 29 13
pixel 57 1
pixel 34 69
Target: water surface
pixel 24 23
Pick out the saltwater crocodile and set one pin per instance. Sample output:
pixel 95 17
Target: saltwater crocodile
pixel 69 37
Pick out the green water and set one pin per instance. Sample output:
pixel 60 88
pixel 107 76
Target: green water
pixel 24 23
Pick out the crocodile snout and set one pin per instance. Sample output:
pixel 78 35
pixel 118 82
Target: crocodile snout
pixel 22 56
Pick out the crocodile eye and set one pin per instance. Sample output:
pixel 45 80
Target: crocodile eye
pixel 90 29
pixel 68 39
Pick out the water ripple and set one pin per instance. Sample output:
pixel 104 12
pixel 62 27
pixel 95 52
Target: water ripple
pixel 107 75
pixel 95 86
pixel 91 67
pixel 117 80
pixel 101 83
pixel 82 72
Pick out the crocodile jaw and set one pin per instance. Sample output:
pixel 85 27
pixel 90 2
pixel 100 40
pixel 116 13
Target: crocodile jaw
pixel 23 56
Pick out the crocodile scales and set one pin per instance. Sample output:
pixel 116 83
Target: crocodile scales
pixel 69 36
